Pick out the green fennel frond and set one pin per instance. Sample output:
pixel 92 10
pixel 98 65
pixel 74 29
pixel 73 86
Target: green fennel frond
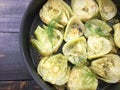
pixel 51 26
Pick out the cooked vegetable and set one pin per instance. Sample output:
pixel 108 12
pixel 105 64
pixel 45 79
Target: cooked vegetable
pixel 45 44
pixel 86 36
pixel 114 48
pixel 54 69
pixel 75 50
pixel 98 46
pixel 117 34
pixel 107 68
pixel 54 8
pixel 85 9
pixel 81 78
pixel 74 29
pixel 62 87
pixel 107 9
pixel 97 27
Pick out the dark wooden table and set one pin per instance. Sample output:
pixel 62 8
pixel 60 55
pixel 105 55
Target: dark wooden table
pixel 13 72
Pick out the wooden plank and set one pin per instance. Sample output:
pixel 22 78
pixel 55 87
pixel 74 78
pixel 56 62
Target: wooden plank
pixel 19 85
pixel 11 13
pixel 12 66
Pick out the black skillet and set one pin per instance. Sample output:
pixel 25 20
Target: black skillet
pixel 28 25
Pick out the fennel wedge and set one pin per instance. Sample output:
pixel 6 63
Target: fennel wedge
pixel 52 9
pixel 74 29
pixel 117 34
pixel 107 9
pixel 54 69
pixel 75 50
pixel 85 9
pixel 98 46
pixel 42 41
pixel 82 78
pixel 107 68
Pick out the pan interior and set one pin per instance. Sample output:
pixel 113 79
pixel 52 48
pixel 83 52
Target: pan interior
pixel 36 57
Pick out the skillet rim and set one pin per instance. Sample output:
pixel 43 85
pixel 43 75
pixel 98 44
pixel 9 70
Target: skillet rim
pixel 23 41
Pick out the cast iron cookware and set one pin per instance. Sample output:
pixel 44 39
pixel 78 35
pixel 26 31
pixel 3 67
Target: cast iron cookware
pixel 28 25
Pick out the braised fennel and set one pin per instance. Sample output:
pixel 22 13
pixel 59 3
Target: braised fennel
pixel 77 45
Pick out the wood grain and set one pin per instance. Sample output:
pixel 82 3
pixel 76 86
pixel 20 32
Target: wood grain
pixel 19 85
pixel 12 66
pixel 11 13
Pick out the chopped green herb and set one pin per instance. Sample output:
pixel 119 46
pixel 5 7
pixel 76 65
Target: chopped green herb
pixel 89 77
pixel 51 26
pixel 96 30
pixel 100 32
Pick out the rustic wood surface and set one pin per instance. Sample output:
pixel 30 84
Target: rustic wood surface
pixel 19 85
pixel 13 72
